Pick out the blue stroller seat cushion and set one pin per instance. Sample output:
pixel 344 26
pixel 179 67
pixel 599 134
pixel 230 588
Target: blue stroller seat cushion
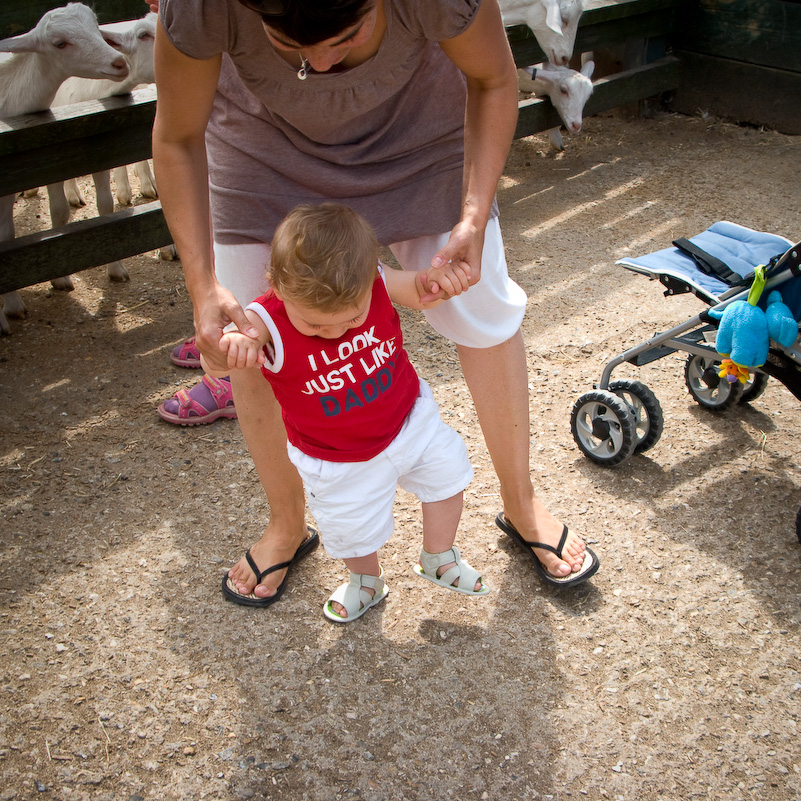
pixel 739 248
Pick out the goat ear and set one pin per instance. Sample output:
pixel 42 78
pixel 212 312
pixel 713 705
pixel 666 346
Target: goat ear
pixel 553 15
pixel 24 43
pixel 114 39
pixel 547 74
pixel 588 68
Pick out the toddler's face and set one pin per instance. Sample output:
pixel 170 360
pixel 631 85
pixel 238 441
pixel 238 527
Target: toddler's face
pixel 328 325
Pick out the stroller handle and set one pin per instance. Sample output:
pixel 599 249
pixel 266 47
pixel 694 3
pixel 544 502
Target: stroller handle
pixel 790 259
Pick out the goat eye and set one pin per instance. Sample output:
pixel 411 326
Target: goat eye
pixel 145 35
pixel 564 91
pixel 60 45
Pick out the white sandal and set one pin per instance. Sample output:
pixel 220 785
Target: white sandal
pixel 354 598
pixel 468 576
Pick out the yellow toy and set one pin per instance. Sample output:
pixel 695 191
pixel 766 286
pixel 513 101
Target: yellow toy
pixel 733 372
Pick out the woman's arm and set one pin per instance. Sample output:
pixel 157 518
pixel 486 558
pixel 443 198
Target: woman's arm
pixel 186 88
pixel 483 54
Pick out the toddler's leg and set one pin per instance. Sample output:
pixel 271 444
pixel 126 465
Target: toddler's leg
pixel 366 588
pixel 362 566
pixel 440 522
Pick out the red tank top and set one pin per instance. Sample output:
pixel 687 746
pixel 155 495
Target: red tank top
pixel 342 400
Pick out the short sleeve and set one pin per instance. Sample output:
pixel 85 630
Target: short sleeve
pixel 198 28
pixel 436 20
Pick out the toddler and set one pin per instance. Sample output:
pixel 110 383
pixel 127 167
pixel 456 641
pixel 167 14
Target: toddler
pixel 359 420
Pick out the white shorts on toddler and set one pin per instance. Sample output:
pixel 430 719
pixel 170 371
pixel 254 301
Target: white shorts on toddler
pixel 353 502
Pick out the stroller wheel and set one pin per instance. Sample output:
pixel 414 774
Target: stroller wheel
pixel 757 384
pixel 707 387
pixel 648 418
pixel 603 427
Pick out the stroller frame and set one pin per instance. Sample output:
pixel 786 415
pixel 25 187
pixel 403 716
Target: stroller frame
pixel 620 418
pixel 670 341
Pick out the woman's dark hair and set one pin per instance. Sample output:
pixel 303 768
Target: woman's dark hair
pixel 309 22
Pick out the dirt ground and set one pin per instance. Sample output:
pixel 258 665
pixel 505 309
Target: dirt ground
pixel 673 674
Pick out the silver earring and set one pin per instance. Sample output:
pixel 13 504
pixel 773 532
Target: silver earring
pixel 304 68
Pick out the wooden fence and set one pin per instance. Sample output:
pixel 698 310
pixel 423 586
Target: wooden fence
pixel 741 60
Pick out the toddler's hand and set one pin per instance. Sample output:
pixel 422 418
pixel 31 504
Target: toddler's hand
pixel 444 282
pixel 242 352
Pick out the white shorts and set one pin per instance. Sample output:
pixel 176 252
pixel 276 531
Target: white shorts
pixel 487 314
pixel 353 502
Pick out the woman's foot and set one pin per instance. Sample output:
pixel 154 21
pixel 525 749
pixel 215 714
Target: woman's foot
pixel 537 524
pixel 271 549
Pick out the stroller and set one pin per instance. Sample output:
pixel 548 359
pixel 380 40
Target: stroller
pixel 623 417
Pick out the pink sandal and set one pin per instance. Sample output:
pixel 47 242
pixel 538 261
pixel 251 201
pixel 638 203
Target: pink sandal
pixel 186 355
pixel 204 403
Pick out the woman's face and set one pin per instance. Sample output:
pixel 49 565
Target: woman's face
pixel 324 55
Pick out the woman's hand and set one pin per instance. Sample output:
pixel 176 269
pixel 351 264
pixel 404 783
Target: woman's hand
pixel 463 250
pixel 214 311
pixel 154 5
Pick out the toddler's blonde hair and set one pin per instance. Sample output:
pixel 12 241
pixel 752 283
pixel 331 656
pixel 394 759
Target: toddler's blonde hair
pixel 324 257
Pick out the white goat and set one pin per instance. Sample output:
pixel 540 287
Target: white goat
pixel 137 47
pixel 66 41
pixel 568 89
pixel 553 22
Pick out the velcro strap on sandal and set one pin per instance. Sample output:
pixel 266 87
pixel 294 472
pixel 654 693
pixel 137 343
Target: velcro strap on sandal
pixel 468 576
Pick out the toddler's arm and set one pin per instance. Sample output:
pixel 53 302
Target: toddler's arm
pixel 242 351
pixel 421 290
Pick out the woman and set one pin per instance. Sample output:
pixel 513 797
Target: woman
pixel 404 111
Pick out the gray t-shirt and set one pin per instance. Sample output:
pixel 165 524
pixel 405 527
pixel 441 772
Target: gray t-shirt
pixel 385 137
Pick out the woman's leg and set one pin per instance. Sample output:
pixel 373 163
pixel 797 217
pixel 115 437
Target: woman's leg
pixel 498 381
pixel 497 377
pixel 263 429
pixel 242 269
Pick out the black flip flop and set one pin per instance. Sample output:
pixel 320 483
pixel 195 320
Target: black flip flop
pixel 231 594
pixel 589 568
